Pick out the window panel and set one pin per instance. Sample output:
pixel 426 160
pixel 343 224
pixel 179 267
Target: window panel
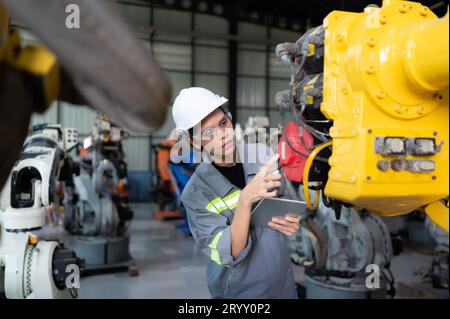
pixel 49 117
pixel 216 83
pixel 172 20
pixel 274 87
pixel 211 59
pixel 256 33
pixel 251 63
pixel 172 25
pixel 79 117
pixel 251 92
pixel 281 35
pixel 178 81
pixel 278 69
pixel 173 56
pixel 137 152
pixel 209 26
pixel 138 18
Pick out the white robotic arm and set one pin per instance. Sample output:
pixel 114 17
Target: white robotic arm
pixel 30 268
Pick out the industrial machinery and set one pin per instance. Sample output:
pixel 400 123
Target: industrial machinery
pixel 31 78
pixel 376 104
pixel 96 210
pixel 339 252
pixel 371 133
pixel 421 233
pixel 30 267
pixel 336 245
pixel 174 169
pixel 167 194
pixel 440 262
pixel 336 254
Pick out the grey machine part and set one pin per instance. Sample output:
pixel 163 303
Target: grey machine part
pixel 439 265
pixel 97 242
pixel 91 216
pixel 97 214
pixel 421 233
pixel 93 226
pixel 336 254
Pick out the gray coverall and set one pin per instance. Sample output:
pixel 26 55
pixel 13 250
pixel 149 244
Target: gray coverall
pixel 263 269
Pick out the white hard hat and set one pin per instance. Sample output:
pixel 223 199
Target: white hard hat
pixel 192 105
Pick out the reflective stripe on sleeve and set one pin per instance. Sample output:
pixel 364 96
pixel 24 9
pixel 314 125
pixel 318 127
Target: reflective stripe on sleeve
pixel 213 246
pixel 218 204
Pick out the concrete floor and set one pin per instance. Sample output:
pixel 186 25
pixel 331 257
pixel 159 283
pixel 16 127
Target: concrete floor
pixel 170 266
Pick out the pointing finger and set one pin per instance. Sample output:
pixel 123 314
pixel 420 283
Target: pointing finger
pixel 272 160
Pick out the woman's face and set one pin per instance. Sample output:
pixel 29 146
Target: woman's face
pixel 217 136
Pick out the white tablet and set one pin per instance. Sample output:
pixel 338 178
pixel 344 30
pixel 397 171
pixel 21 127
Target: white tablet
pixel 268 208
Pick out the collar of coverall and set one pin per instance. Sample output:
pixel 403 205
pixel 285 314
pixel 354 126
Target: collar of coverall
pixel 220 184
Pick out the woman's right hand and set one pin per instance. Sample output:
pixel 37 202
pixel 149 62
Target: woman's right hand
pixel 259 187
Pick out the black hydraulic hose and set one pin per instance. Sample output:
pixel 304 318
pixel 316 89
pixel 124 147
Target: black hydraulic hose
pixel 327 202
pixel 316 188
pixel 310 129
pixel 312 226
pixel 315 229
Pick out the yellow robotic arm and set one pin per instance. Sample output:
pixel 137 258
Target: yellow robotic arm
pixel 373 93
pixel 386 90
pixel 39 67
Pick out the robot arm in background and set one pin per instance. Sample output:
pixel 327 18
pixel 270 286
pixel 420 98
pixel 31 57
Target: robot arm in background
pixel 372 89
pixel 31 268
pixel 94 204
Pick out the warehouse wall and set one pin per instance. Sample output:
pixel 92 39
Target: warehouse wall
pixel 192 48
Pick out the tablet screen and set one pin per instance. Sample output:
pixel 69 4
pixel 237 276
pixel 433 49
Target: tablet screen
pixel 268 208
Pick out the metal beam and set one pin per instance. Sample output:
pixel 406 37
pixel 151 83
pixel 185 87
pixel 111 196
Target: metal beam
pixel 232 64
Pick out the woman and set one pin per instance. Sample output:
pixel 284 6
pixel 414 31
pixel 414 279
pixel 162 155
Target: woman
pixel 245 261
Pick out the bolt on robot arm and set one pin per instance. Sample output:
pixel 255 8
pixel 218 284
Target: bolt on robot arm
pixel 30 268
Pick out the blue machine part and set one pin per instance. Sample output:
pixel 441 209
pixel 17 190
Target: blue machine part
pixel 181 173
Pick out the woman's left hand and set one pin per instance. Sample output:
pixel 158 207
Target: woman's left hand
pixel 287 225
